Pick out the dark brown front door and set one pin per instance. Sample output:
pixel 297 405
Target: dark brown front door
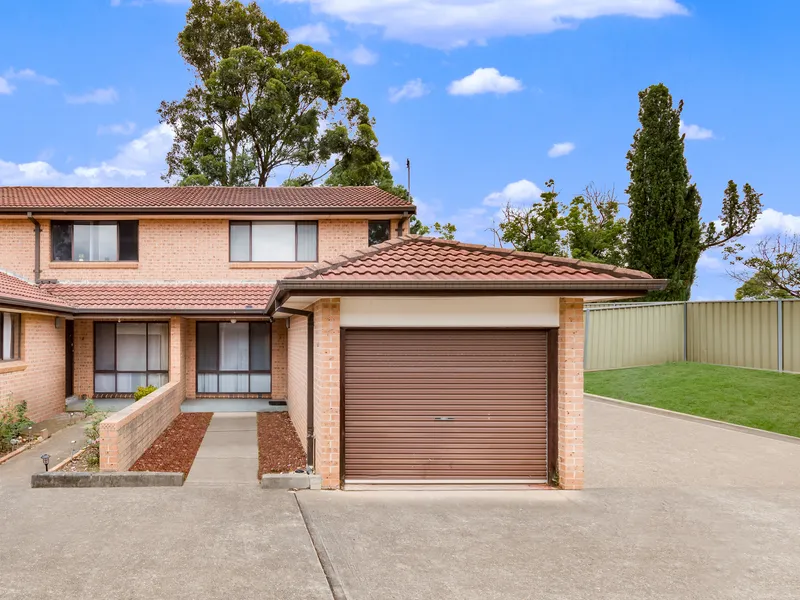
pixel 445 404
pixel 69 336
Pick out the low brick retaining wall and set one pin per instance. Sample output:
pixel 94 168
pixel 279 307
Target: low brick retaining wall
pixel 125 435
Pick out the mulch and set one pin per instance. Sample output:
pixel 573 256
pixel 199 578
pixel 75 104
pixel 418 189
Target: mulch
pixel 175 449
pixel 279 449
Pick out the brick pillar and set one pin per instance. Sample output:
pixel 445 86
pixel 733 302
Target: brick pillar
pixel 326 391
pixel 83 378
pixel 177 349
pixel 570 393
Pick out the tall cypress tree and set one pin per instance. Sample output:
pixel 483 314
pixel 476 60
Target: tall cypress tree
pixel 664 227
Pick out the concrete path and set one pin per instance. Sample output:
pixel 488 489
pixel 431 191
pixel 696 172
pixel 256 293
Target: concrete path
pixel 229 452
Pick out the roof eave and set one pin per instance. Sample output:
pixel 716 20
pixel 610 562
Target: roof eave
pixel 622 288
pixel 250 210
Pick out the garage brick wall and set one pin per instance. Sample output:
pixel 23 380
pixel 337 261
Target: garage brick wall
pixel 297 357
pixel 326 390
pixel 39 377
pixel 570 394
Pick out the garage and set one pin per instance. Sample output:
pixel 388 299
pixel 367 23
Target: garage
pixel 453 405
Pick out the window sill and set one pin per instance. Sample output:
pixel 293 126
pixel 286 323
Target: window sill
pixel 291 266
pixel 12 366
pixel 94 265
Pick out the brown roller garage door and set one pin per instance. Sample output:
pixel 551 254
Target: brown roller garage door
pixel 434 404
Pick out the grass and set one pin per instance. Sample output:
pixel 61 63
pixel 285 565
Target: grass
pixel 760 399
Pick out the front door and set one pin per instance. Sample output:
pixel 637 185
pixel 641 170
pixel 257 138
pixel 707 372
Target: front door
pixel 69 335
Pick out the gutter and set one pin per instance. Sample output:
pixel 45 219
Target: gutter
pixel 234 210
pixel 309 315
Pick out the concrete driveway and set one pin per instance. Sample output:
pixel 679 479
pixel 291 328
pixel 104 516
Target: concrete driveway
pixel 673 509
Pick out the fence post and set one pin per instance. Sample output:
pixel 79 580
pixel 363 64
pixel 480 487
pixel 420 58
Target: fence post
pixel 586 312
pixel 780 335
pixel 685 331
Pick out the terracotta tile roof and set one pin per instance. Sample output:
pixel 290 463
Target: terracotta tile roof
pixel 14 289
pixel 414 258
pixel 200 198
pixel 85 297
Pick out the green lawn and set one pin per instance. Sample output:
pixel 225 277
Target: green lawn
pixel 761 399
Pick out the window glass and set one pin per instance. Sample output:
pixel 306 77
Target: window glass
pixel 131 347
pixel 207 346
pixel 127 383
pixel 7 336
pixel 207 383
pixel 259 347
pixel 105 383
pixel 61 232
pixel 129 240
pixel 240 242
pixel 104 341
pixel 260 383
pixel 95 242
pixel 233 383
pixel 157 379
pixel 233 347
pixel 307 241
pixel 157 347
pixel 273 241
pixel 379 232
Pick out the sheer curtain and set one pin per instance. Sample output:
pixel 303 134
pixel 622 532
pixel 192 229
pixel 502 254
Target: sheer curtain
pixel 234 355
pixel 306 241
pixel 273 241
pixel 131 356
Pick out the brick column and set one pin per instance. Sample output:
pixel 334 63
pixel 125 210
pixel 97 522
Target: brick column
pixel 326 390
pixel 177 349
pixel 570 393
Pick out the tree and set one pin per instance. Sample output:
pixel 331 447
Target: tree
pixel 256 106
pixel 594 230
pixel 773 269
pixel 664 227
pixel 535 228
pixel 665 233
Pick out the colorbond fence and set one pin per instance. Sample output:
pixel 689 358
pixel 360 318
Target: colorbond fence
pixel 756 334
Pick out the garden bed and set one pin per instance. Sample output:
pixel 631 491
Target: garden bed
pixel 80 463
pixel 279 449
pixel 175 449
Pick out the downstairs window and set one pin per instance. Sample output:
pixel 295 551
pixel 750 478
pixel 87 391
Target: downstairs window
pixel 234 358
pixel 10 336
pixel 130 355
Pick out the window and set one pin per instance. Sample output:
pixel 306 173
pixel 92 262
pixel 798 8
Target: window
pixel 102 241
pixel 379 232
pixel 234 358
pixel 273 241
pixel 130 355
pixel 10 336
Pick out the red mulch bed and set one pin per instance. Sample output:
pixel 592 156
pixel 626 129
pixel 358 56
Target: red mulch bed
pixel 279 449
pixel 175 449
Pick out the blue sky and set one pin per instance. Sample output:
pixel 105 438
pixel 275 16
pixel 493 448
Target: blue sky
pixel 489 98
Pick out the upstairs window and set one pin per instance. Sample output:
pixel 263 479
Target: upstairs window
pixel 100 241
pixel 10 336
pixel 379 232
pixel 273 241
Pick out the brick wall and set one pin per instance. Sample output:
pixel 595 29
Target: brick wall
pixel 570 393
pixel 125 435
pixel 168 250
pixel 297 380
pixel 280 369
pixel 39 377
pixel 326 390
pixel 83 378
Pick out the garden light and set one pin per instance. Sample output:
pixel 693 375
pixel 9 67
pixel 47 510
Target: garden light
pixel 45 460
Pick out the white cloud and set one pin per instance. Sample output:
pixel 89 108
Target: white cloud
pixel 773 222
pixel 519 192
pixel 126 128
pixel 560 149
pixel 313 33
pixel 393 164
pixel 695 132
pixel 410 90
pixel 711 262
pixel 484 81
pixel 363 56
pixel 456 23
pixel 137 163
pixel 98 96
pixel 5 87
pixel 30 75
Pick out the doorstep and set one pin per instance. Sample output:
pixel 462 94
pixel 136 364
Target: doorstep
pixel 232 405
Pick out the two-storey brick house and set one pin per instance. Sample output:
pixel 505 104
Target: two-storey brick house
pixel 399 358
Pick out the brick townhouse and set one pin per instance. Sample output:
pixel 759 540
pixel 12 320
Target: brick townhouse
pixel 399 358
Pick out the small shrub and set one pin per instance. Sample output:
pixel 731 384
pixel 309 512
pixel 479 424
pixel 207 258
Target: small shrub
pixel 14 422
pixel 92 431
pixel 89 409
pixel 141 392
